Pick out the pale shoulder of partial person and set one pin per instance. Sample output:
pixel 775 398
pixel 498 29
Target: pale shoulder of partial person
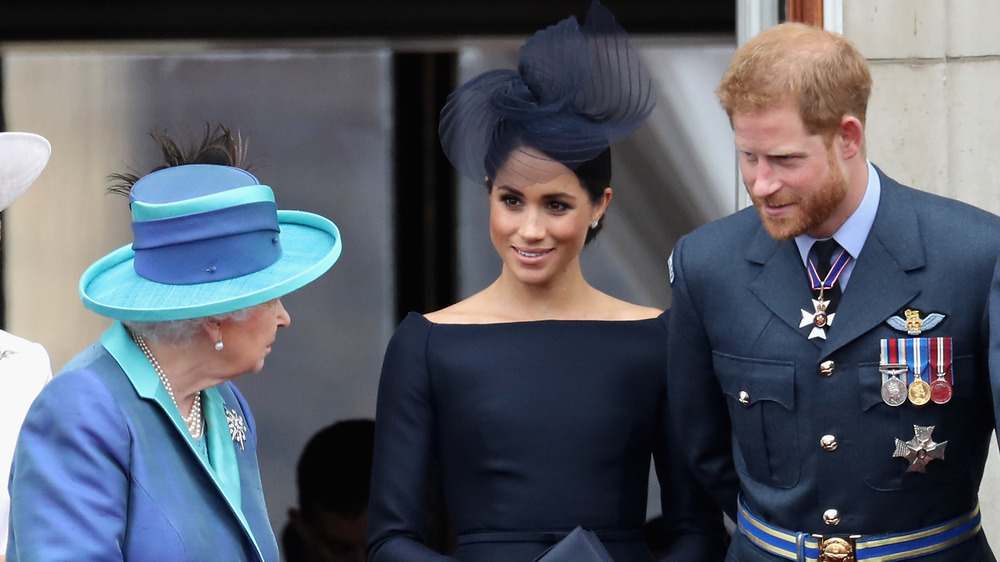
pixel 10 341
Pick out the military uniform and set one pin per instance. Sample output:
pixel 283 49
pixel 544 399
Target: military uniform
pixel 797 426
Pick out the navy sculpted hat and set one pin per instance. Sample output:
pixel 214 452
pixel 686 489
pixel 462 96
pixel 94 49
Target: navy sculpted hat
pixel 208 240
pixel 577 90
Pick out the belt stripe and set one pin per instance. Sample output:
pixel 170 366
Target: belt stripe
pixel 879 548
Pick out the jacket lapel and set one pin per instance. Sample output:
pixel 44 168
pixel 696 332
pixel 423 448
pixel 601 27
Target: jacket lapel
pixel 249 490
pixel 782 284
pixel 147 385
pixel 880 285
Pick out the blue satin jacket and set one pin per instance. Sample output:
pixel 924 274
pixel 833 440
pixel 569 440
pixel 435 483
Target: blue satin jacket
pixel 104 469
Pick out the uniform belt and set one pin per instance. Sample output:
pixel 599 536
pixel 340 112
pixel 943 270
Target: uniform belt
pixel 545 536
pixel 805 547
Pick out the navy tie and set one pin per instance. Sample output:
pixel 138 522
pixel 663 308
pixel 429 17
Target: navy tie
pixel 823 254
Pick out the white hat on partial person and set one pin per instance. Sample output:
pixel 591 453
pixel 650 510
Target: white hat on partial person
pixel 22 158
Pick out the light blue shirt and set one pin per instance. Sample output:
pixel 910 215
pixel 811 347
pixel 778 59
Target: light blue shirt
pixel 852 234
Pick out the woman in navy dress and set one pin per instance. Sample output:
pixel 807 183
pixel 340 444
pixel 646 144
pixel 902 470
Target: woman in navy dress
pixel 540 399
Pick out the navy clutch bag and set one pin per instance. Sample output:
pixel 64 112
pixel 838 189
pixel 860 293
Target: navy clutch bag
pixel 580 545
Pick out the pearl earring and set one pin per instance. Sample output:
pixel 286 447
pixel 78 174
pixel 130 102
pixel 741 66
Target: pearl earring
pixel 219 346
pixel 593 225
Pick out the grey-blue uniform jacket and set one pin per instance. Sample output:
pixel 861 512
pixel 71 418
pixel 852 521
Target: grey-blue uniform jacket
pixel 738 297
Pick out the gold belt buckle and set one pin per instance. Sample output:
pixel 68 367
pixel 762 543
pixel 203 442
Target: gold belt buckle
pixel 836 549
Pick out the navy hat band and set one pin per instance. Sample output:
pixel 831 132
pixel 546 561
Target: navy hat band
pixel 209 246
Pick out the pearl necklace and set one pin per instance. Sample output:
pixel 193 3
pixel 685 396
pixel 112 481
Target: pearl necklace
pixel 194 421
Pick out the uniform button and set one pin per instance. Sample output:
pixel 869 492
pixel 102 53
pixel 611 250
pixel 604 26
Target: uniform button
pixel 828 442
pixel 744 398
pixel 831 517
pixel 826 368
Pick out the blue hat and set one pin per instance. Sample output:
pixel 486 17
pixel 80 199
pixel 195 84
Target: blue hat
pixel 208 240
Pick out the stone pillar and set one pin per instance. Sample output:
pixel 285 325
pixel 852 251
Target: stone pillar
pixel 934 117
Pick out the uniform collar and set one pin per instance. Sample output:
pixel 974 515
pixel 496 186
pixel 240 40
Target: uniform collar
pixel 852 234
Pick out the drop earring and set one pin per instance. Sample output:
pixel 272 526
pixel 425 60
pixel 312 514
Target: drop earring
pixel 219 346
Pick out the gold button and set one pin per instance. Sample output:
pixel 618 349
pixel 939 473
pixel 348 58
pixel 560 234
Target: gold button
pixel 831 517
pixel 828 442
pixel 744 398
pixel 827 367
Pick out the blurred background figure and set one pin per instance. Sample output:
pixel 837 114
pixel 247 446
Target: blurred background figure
pixel 24 365
pixel 332 477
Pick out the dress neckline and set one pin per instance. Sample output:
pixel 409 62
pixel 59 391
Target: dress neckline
pixel 662 315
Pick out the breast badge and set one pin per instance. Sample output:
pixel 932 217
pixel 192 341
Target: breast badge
pixel 921 449
pixel 818 318
pixel 913 324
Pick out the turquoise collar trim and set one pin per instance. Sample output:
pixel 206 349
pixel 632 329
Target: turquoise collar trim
pixel 221 465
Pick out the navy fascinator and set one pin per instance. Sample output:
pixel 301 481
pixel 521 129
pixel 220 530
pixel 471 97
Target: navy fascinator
pixel 577 90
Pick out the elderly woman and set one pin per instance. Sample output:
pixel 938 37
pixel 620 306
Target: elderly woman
pixel 144 449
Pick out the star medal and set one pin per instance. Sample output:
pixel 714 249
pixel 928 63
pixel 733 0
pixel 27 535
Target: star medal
pixel 919 390
pixel 892 368
pixel 940 357
pixel 820 318
pixel 921 449
pixel 237 427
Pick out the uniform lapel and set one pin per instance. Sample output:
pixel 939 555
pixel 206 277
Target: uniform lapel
pixel 880 285
pixel 782 284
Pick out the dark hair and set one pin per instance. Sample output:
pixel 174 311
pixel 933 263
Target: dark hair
pixel 220 147
pixel 334 471
pixel 594 176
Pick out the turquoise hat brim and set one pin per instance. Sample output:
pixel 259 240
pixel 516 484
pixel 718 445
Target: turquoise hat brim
pixel 310 245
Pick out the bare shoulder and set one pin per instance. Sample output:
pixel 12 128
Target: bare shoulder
pixel 473 310
pixel 454 314
pixel 617 309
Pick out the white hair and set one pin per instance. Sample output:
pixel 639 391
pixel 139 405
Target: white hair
pixel 182 332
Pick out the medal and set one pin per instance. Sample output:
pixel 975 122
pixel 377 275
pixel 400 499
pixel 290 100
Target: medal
pixel 894 391
pixel 919 390
pixel 819 318
pixel 892 365
pixel 940 357
pixel 921 449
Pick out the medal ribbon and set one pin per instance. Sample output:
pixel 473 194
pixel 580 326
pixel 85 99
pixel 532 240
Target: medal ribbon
pixel 894 353
pixel 831 278
pixel 940 356
pixel 918 356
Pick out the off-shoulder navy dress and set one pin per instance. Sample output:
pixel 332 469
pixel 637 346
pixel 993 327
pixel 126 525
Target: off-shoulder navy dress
pixel 537 427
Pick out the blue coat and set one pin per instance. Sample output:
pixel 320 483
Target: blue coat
pixel 104 470
pixel 734 332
